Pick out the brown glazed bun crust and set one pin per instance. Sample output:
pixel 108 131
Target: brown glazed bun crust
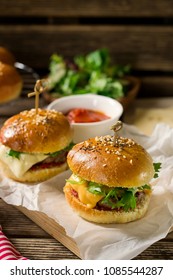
pixel 125 164
pixel 105 216
pixel 6 56
pixel 10 83
pixel 46 132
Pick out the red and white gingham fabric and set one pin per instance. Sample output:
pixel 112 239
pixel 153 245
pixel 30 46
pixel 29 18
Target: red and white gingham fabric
pixel 7 250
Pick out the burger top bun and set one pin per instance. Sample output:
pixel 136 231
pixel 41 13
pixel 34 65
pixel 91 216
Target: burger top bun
pixel 45 132
pixel 6 56
pixel 10 83
pixel 123 163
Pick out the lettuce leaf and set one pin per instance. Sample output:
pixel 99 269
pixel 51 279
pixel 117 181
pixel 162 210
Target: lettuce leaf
pixel 92 72
pixel 66 149
pixel 120 197
pixel 116 197
pixel 14 154
pixel 157 167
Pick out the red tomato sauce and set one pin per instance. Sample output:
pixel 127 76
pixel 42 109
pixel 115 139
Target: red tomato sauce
pixel 81 115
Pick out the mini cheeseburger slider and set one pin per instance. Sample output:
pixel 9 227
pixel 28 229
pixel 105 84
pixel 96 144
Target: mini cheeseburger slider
pixel 11 83
pixel 33 147
pixel 110 180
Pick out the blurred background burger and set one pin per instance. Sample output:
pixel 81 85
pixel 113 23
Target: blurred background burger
pixel 11 82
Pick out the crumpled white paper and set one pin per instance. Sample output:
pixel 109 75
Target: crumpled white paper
pixel 96 241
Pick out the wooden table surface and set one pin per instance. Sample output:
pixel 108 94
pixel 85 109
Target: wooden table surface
pixel 32 241
pixel 36 244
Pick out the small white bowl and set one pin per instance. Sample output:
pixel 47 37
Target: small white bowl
pixel 106 105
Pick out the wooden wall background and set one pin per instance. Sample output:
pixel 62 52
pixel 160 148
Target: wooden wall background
pixel 136 32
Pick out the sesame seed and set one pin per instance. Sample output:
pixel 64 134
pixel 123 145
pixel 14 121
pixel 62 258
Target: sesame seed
pixel 111 145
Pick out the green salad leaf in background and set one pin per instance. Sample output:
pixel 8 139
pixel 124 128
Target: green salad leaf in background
pixel 92 73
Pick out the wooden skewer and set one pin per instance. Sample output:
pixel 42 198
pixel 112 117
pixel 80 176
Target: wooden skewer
pixel 40 86
pixel 116 127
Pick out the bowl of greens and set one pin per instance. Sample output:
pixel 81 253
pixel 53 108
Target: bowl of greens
pixel 91 73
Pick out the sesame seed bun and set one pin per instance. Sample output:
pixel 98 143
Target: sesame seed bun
pixel 124 164
pixel 10 83
pixel 46 132
pixel 114 163
pixel 40 142
pixel 6 56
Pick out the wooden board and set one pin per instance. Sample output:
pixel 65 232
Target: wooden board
pixel 138 33
pixel 136 44
pixel 51 227
pixel 58 232
pixel 74 8
pixel 35 244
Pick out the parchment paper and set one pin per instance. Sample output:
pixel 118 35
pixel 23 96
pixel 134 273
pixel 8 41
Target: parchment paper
pixel 96 241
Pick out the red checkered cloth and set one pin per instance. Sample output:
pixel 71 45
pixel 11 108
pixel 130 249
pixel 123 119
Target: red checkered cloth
pixel 7 250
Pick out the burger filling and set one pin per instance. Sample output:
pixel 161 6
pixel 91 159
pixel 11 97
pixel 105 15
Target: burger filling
pixel 53 160
pixel 102 197
pixel 19 163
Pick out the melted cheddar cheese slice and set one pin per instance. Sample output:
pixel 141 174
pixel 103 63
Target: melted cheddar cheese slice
pixel 89 199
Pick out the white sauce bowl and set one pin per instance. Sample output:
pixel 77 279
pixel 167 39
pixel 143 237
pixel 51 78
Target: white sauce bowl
pixel 83 131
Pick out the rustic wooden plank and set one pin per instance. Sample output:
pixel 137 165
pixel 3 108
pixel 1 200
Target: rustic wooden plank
pixel 2 120
pixel 53 228
pixel 170 236
pixel 42 249
pixel 34 245
pixel 58 233
pixel 32 241
pixel 155 86
pixel 74 8
pixel 152 103
pixel 144 47
pixel 14 223
pixel 18 105
pixel 39 249
pixel 49 249
pixel 162 250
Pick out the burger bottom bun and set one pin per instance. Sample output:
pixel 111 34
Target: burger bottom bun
pixel 34 176
pixel 105 216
